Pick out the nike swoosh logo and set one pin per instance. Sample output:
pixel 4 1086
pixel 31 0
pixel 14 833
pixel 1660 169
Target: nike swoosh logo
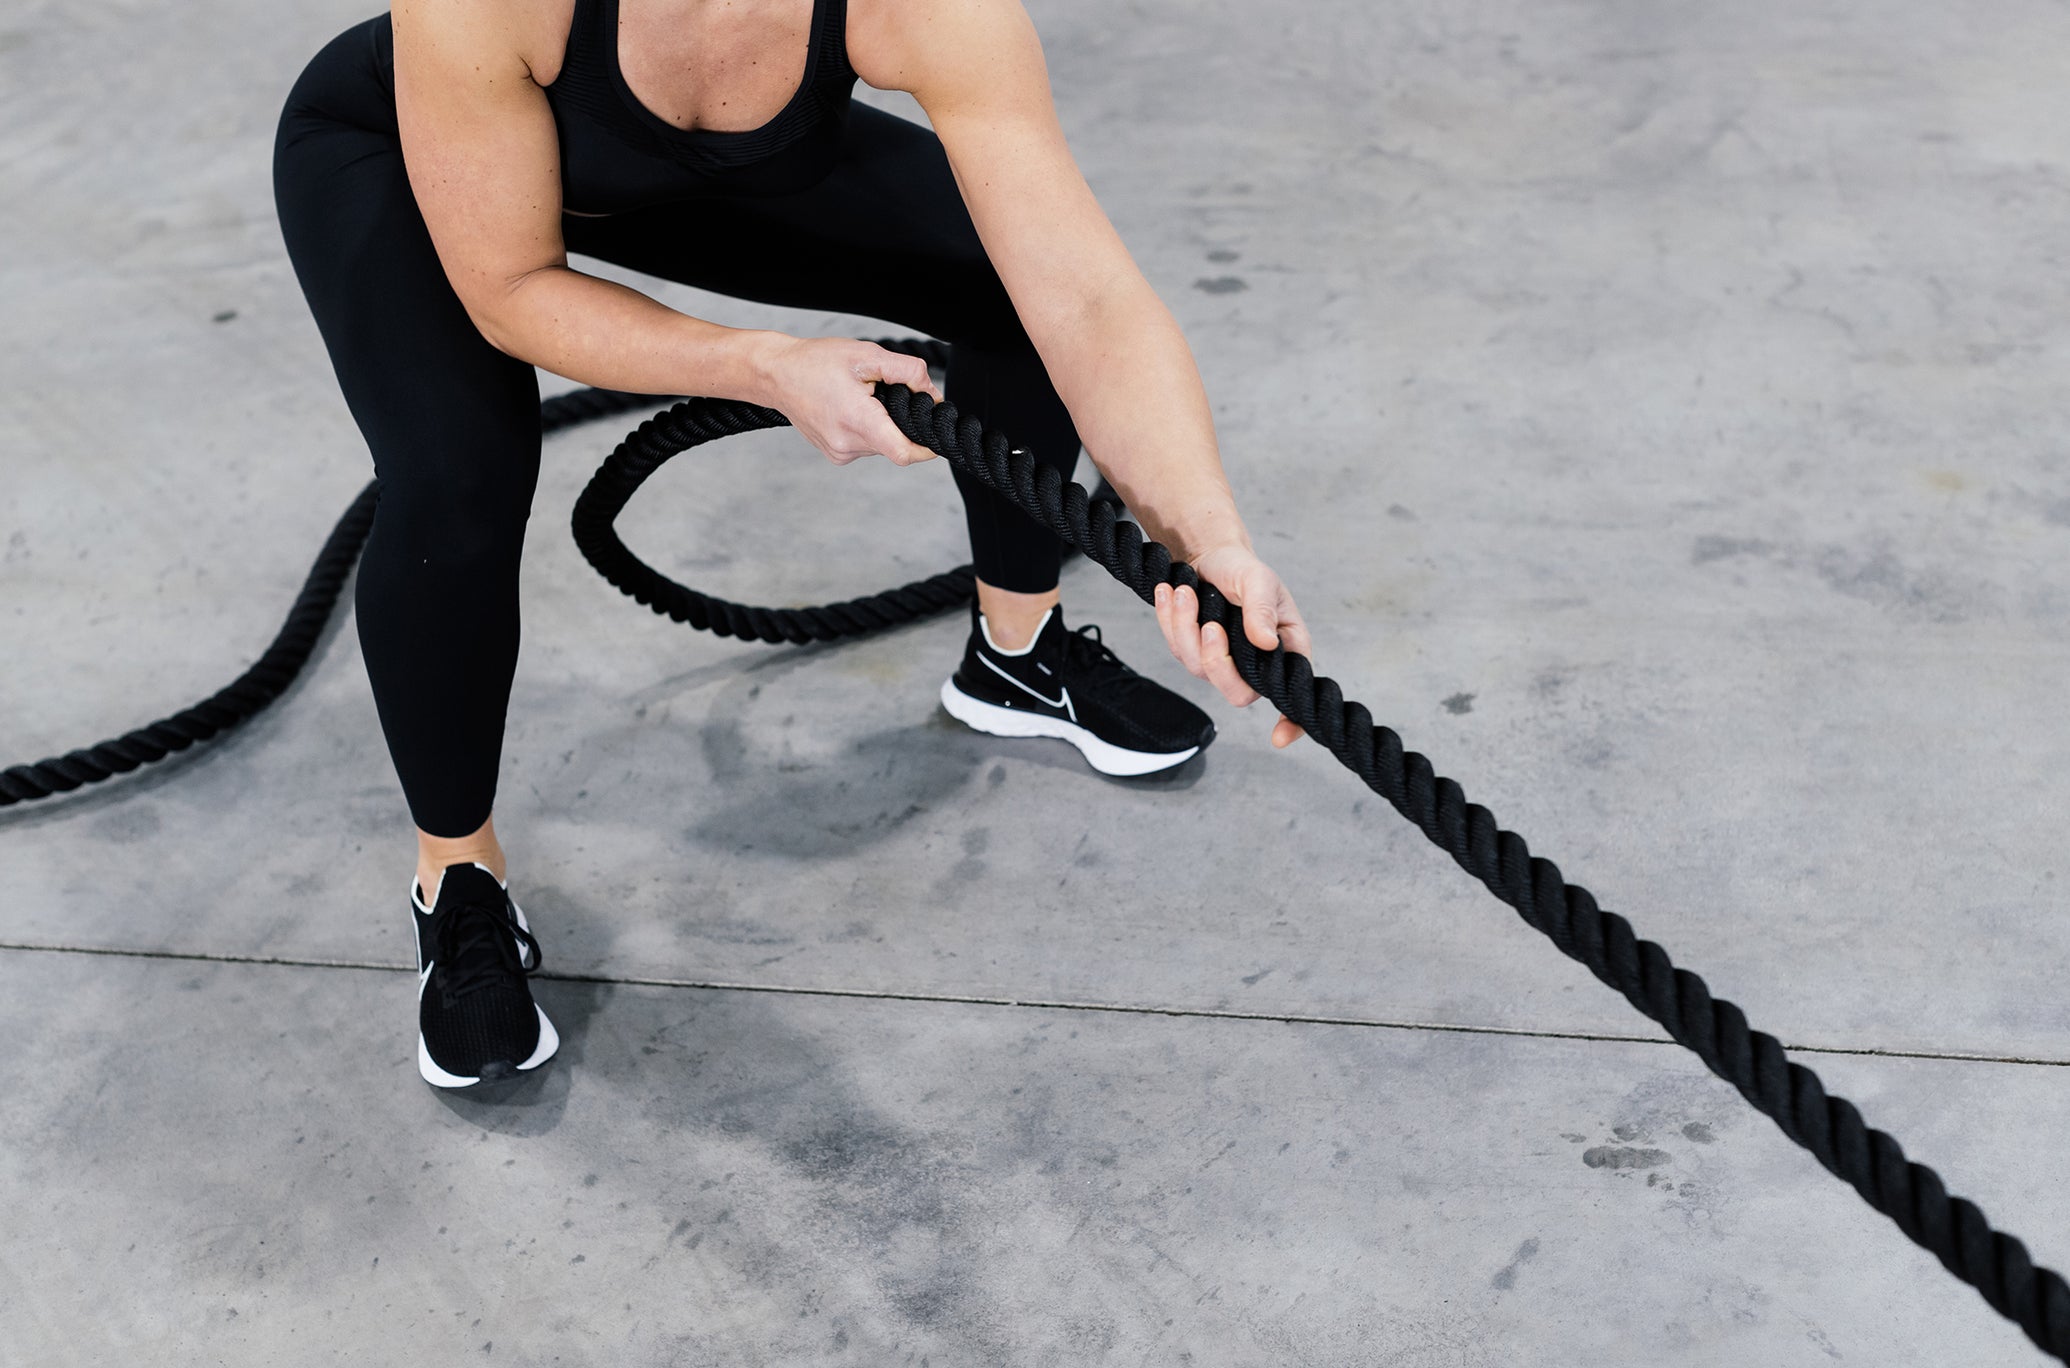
pixel 1062 700
pixel 424 977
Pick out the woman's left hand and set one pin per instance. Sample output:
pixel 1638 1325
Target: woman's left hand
pixel 1269 619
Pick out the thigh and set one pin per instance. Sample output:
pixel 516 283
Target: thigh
pixel 441 409
pixel 885 234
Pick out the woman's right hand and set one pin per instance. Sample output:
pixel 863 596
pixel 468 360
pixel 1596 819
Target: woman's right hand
pixel 824 386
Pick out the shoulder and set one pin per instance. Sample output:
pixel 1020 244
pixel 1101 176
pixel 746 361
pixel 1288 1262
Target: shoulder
pixel 941 48
pixel 524 36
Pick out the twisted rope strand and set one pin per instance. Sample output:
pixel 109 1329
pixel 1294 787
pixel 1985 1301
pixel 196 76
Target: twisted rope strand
pixel 1871 1161
pixel 236 701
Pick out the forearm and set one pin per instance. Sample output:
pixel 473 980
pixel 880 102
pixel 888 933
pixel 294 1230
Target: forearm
pixel 604 334
pixel 1125 372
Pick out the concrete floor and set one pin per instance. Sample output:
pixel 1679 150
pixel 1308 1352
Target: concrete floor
pixel 1655 408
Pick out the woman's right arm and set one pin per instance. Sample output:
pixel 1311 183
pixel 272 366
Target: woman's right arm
pixel 483 161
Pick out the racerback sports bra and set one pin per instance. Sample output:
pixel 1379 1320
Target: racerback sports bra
pixel 618 155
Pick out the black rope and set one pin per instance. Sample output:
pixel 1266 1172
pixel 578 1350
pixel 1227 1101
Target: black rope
pixel 282 661
pixel 698 421
pixel 1791 1095
pixel 1871 1161
pixel 691 424
pixel 238 700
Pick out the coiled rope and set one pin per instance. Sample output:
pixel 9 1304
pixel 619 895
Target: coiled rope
pixel 282 661
pixel 684 426
pixel 1911 1194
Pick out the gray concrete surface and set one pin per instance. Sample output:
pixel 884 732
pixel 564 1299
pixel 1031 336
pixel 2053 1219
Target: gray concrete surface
pixel 1654 408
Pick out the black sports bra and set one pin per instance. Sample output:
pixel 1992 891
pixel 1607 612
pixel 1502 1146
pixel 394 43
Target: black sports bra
pixel 617 154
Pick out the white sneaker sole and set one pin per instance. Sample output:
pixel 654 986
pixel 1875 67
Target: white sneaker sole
pixel 1104 756
pixel 549 1041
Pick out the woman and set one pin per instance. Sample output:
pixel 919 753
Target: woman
pixel 433 168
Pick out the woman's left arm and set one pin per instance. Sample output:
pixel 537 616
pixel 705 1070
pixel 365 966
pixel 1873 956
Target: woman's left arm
pixel 1110 345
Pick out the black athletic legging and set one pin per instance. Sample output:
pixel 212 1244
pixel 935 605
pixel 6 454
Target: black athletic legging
pixel 453 423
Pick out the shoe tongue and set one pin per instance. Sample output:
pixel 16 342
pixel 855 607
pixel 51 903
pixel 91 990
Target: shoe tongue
pixel 469 883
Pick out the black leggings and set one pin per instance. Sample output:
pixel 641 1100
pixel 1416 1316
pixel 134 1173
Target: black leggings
pixel 453 423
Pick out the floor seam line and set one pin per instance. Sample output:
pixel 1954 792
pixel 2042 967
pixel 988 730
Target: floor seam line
pixel 1031 1003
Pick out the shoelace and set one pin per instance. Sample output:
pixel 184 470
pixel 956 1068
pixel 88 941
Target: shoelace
pixel 479 947
pixel 1085 651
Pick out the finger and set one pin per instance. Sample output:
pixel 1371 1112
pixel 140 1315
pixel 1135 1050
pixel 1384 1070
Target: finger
pixel 1166 603
pixel 1285 733
pixel 1293 633
pixel 926 382
pixel 912 373
pixel 885 437
pixel 1185 633
pixel 1220 669
pixel 1261 609
pixel 896 368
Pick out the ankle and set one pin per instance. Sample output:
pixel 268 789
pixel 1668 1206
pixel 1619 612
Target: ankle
pixel 1011 619
pixel 429 877
pixel 436 853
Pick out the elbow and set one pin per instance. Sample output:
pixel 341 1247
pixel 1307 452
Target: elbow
pixel 499 317
pixel 495 328
pixel 1096 310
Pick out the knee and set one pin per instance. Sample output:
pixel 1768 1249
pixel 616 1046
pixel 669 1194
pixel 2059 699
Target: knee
pixel 981 315
pixel 455 512
pixel 1001 368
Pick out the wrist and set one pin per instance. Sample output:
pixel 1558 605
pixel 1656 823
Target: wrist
pixel 753 365
pixel 1199 538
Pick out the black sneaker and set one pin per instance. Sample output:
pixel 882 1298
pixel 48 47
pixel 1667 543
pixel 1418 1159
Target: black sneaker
pixel 476 1021
pixel 1070 685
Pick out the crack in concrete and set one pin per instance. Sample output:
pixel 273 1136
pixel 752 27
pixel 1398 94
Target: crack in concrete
pixel 1035 1004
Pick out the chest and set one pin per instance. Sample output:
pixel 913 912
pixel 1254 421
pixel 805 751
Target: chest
pixel 722 65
